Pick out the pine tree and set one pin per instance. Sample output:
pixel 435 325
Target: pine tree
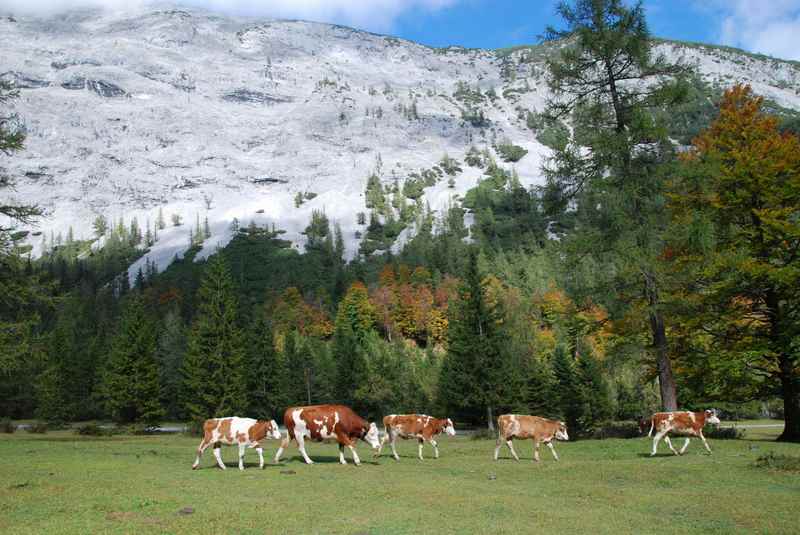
pixel 100 226
pixel 351 365
pixel 171 350
pixel 160 223
pixel 567 389
pixel 206 228
pixel 214 376
pixel 474 366
pixel 131 381
pixel 594 394
pixel 266 371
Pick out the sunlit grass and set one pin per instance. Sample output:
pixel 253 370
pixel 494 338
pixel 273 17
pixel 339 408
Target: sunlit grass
pixel 61 483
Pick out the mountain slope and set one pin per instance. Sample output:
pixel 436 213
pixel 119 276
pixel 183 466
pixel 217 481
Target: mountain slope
pixel 209 116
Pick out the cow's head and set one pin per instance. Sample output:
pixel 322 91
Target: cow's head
pixel 448 427
pixel 273 431
pixel 372 437
pixel 711 417
pixel 561 431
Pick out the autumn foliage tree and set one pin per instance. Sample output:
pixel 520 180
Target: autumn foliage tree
pixel 737 239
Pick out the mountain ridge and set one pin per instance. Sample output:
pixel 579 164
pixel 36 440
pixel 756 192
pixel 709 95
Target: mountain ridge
pixel 204 115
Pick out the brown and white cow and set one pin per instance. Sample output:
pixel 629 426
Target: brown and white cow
pixel 681 423
pixel 327 422
pixel 234 430
pixel 420 426
pixel 511 426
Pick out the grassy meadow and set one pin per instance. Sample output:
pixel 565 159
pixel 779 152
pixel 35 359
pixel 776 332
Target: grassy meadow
pixel 61 483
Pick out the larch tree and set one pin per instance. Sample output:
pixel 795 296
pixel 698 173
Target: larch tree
pixel 607 172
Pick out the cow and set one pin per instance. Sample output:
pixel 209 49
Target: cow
pixel 327 422
pixel 419 426
pixel 511 426
pixel 234 430
pixel 682 423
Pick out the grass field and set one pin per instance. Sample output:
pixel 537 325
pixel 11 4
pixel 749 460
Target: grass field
pixel 61 483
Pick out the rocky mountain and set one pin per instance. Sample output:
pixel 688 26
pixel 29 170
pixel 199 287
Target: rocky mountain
pixel 202 115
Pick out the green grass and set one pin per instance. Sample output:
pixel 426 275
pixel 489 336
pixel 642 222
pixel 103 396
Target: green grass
pixel 62 483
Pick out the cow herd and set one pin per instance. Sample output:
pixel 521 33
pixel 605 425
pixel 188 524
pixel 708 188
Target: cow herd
pixel 341 424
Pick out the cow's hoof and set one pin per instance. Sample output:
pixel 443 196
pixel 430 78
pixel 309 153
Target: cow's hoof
pixel 194 467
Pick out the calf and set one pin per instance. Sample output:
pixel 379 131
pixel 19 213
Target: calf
pixel 419 426
pixel 511 426
pixel 682 423
pixel 242 431
pixel 327 422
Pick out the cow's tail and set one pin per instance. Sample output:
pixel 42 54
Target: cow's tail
pixel 652 424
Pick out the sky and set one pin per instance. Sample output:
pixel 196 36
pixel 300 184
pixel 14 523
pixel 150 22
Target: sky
pixel 765 26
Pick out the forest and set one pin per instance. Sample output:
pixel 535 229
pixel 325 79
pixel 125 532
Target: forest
pixel 658 267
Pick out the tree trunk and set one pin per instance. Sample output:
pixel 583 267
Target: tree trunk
pixel 666 382
pixel 790 388
pixel 489 418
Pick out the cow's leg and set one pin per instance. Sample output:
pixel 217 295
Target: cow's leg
pixel 669 443
pixel 260 452
pixel 419 449
pixel 536 450
pixel 656 440
pixel 341 454
pixel 281 448
pixel 435 448
pixel 497 445
pixel 510 445
pixel 552 450
pixel 242 447
pixel 200 449
pixel 301 445
pixel 704 441
pixel 218 455
pixel 384 440
pixel 685 445
pixel 394 449
pixel 356 460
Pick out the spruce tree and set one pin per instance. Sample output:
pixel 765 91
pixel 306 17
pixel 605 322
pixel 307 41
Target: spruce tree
pixel 214 382
pixel 266 371
pixel 171 350
pixel 131 381
pixel 568 394
pixel 594 394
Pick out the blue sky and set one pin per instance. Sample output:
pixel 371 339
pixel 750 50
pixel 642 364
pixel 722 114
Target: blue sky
pixel 502 23
pixel 766 26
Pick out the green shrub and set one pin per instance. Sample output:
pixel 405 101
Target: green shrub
pixel 483 433
pixel 784 463
pixel 621 429
pixel 39 428
pixel 7 426
pixel 510 152
pixel 92 430
pixel 724 433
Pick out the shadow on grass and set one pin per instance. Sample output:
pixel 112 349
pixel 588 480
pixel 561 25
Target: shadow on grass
pixel 325 459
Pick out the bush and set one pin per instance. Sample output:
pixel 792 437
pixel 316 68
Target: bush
pixel 724 433
pixel 7 426
pixel 785 463
pixel 92 430
pixel 483 433
pixel 39 428
pixel 511 153
pixel 622 429
pixel 194 428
